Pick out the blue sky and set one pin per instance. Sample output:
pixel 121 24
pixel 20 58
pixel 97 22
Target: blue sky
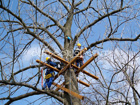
pixel 98 32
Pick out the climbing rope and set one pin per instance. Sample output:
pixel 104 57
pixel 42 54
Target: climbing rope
pixel 42 77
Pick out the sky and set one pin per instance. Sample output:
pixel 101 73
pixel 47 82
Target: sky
pixel 33 52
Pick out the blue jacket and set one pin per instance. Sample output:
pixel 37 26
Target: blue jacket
pixel 50 70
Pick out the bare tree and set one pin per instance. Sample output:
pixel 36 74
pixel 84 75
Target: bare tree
pixel 118 71
pixel 48 23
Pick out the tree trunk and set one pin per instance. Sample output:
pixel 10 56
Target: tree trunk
pixel 135 98
pixel 70 78
pixel 71 84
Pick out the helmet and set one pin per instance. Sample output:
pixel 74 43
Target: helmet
pixel 47 58
pixel 78 44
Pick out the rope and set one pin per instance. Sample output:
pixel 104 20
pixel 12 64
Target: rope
pixel 42 77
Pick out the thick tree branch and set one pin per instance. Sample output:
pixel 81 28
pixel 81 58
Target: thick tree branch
pixel 1 70
pixel 122 102
pixel 26 68
pixel 96 21
pixel 9 21
pixel 121 4
pixel 80 2
pixel 84 8
pixel 55 21
pixel 113 39
pixel 50 93
pixel 43 29
pixel 40 39
pixel 64 5
pixel 21 97
pixel 28 31
pixel 25 96
pixel 95 10
pixel 52 36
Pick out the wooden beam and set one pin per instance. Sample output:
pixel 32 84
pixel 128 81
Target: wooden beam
pixel 83 83
pixel 43 63
pixel 67 66
pixel 89 74
pixel 69 91
pixel 60 85
pixel 56 57
pixel 85 64
pixel 49 66
pixel 64 61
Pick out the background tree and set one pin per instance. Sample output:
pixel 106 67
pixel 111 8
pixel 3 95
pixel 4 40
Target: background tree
pixel 26 25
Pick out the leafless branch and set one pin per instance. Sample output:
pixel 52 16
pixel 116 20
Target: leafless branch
pixel 113 39
pixel 36 89
pixel 96 21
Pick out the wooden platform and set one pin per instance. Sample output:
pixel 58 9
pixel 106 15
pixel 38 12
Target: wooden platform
pixel 68 64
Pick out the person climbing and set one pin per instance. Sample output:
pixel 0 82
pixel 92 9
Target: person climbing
pixel 49 75
pixel 79 61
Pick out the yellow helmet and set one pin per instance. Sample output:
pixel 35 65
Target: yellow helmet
pixel 78 44
pixel 47 58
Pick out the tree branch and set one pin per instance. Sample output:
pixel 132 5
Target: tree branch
pixel 64 5
pixel 55 21
pixel 28 31
pixel 96 21
pixel 50 93
pixel 21 97
pixel 41 40
pixel 84 8
pixel 112 39
pixel 1 70
pixel 29 67
pixel 55 40
pixel 80 2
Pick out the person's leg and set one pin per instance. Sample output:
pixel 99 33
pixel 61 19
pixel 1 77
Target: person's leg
pixel 81 63
pixel 50 82
pixel 77 63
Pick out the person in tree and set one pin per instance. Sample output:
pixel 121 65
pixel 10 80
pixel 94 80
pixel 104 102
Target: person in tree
pixel 79 61
pixel 49 75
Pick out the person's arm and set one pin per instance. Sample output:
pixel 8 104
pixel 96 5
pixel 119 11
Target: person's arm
pixel 76 51
pixel 53 63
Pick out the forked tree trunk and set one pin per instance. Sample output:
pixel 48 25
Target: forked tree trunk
pixel 70 77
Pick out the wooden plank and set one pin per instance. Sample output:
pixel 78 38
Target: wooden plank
pixel 67 66
pixel 49 66
pixel 87 85
pixel 60 85
pixel 43 63
pixel 85 64
pixel 56 57
pixel 89 74
pixel 64 61
pixel 69 91
pixel 81 82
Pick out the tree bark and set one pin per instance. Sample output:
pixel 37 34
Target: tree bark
pixel 71 84
pixel 70 77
